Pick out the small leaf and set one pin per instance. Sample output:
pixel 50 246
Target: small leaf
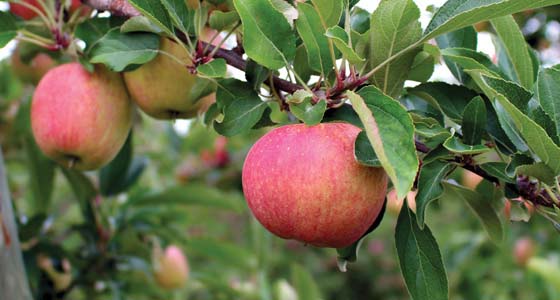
pixel 311 114
pixel 221 21
pixel 474 121
pixel 329 10
pixel 461 38
pixel 140 24
pixel 242 107
pixel 420 259
pixel 481 208
pixel 430 186
pixel 389 127
pixel 364 152
pixel 267 36
pixel 256 74
pixel 449 99
pixel 341 41
pixel 469 59
pixel 422 67
pixel 455 145
pixel 498 170
pixel 8 28
pixel 156 12
pixel 120 50
pixel 217 68
pixel 548 94
pixel 539 171
pixel 180 14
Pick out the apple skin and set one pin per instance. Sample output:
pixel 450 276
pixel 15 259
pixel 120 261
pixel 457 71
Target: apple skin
pixel 303 183
pixel 394 205
pixel 35 70
pixel 171 268
pixel 81 119
pixel 28 14
pixel 162 87
pixel 470 179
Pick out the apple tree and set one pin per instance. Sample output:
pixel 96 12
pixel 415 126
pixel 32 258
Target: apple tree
pixel 341 134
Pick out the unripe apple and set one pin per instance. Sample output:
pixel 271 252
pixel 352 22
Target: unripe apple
pixel 303 183
pixel 35 70
pixel 27 13
pixel 523 250
pixel 81 119
pixel 470 179
pixel 171 269
pixel 162 87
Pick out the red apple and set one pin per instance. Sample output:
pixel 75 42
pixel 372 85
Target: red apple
pixel 35 70
pixel 523 250
pixel 81 119
pixel 27 13
pixel 303 183
pixel 171 269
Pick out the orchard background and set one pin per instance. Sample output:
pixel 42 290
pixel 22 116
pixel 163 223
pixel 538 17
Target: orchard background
pixel 445 90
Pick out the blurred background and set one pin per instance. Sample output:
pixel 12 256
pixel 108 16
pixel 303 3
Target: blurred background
pixel 183 187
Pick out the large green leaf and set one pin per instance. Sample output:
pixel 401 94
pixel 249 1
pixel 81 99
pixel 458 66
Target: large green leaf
pixel 118 51
pixel 548 94
pixel 268 37
pixel 316 43
pixel 394 27
pixel 481 207
pixel 180 14
pixel 474 121
pixel 456 14
pixel 241 106
pixel 420 259
pixel 429 186
pixel 8 28
pixel 391 133
pixel 516 48
pixel 534 135
pixel 156 12
pixel 329 10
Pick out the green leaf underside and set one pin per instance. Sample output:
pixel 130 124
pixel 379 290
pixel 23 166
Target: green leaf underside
pixel 420 259
pixel 391 132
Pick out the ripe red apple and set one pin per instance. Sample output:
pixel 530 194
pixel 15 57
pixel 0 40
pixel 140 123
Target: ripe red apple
pixel 523 250
pixel 303 183
pixel 81 119
pixel 171 269
pixel 27 13
pixel 35 70
pixel 162 87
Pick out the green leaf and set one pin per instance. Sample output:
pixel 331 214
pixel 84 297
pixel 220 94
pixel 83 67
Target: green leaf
pixel 548 270
pixel 498 170
pixel 180 14
pixel 388 127
pixel 548 94
pixel 305 285
pixel 456 14
pixel 516 48
pixel 267 36
pixel 156 12
pixel 256 74
pixel 363 151
pixel 217 68
pixel 221 21
pixel 340 39
pixel 422 67
pixel 188 195
pixel 420 259
pixel 311 114
pixel 140 24
pixel 474 121
pixel 430 186
pixel 539 171
pixel 455 145
pixel 242 107
pixel 329 10
pixel 315 42
pixel 85 192
pixel 469 59
pixel 461 38
pixel 120 50
pixel 360 20
pixel 481 207
pixel 535 136
pixel 225 253
pixel 395 27
pixel 449 99
pixel 8 28
pixel 92 30
pixel 41 176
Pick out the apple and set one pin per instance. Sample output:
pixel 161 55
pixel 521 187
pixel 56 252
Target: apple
pixel 394 205
pixel 81 119
pixel 171 269
pixel 28 14
pixel 470 179
pixel 523 250
pixel 35 70
pixel 162 87
pixel 303 183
